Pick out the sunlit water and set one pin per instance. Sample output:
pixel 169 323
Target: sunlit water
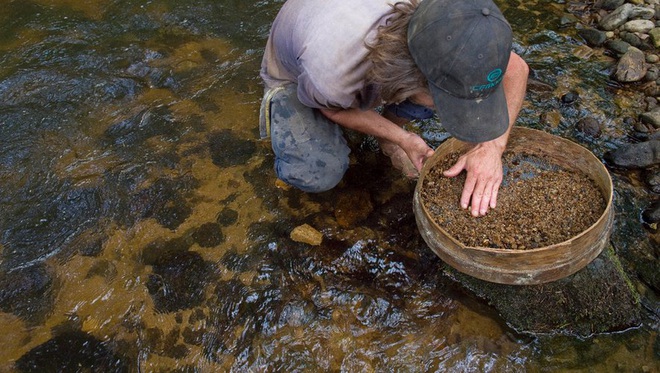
pixel 142 228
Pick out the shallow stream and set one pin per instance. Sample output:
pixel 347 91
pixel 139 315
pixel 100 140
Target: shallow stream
pixel 141 227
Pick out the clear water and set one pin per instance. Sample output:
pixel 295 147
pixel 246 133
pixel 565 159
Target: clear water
pixel 142 228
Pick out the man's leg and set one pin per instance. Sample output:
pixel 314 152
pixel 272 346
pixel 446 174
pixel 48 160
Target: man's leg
pixel 311 153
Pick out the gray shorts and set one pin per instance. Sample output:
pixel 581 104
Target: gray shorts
pixel 311 152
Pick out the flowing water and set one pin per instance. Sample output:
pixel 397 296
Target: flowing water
pixel 142 228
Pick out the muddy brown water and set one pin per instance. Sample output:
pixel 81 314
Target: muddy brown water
pixel 142 229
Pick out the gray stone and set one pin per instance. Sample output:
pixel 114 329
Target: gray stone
pixel 631 67
pixel 652 118
pixel 651 74
pixel 592 36
pixel 652 58
pixel 639 25
pixel 617 46
pixel 611 4
pixel 617 18
pixel 639 155
pixel 568 20
pixel 631 38
pixel 589 126
pixel 651 214
pixel 652 180
pixel 655 36
pixel 641 12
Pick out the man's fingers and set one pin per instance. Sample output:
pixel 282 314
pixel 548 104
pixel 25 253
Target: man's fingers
pixel 456 168
pixel 485 200
pixel 493 196
pixel 468 189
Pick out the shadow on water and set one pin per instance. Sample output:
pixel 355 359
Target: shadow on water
pixel 142 228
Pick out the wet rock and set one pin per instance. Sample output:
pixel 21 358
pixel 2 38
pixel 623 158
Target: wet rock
pixel 142 126
pixel 651 117
pixel 102 268
pixel 609 4
pixel 352 207
pixel 652 180
pixel 653 89
pixel 52 227
pixel 597 298
pixel 178 281
pixel 176 351
pixel 538 86
pixel 209 235
pixel 641 12
pixel 72 352
pixel 158 250
pixel 639 25
pixel 568 20
pixel 570 97
pixel 307 234
pixel 589 126
pixel 164 201
pixel 27 292
pixel 616 18
pixel 631 66
pixel 631 38
pixel 193 336
pixel 655 36
pixel 651 74
pixel 592 36
pixel 551 118
pixel 617 46
pixel 297 313
pixel 227 217
pixel 651 215
pixel 228 150
pixel 639 155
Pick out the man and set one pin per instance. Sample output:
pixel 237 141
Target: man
pixel 329 64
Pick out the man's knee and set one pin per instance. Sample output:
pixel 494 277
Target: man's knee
pixel 314 175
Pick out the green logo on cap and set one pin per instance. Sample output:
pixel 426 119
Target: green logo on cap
pixel 494 75
pixel 494 78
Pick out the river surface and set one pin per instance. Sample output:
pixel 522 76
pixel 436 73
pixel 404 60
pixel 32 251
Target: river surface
pixel 142 229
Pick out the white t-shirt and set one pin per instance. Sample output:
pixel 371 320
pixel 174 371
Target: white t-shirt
pixel 320 45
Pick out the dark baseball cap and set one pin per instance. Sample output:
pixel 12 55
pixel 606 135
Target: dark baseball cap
pixel 463 48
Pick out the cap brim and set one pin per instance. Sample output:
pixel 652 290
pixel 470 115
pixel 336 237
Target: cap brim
pixel 472 120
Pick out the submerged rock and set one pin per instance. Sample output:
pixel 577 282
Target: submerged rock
pixel 27 292
pixel 72 352
pixel 596 299
pixel 651 117
pixel 589 126
pixel 592 36
pixel 353 207
pixel 640 155
pixel 652 180
pixel 307 234
pixel 178 280
pixel 651 214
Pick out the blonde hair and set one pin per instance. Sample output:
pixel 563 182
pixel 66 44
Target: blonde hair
pixel 394 70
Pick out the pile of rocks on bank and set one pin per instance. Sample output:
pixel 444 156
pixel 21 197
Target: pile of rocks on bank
pixel 630 31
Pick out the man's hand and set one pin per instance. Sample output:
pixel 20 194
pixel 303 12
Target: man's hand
pixel 411 162
pixel 416 149
pixel 483 164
